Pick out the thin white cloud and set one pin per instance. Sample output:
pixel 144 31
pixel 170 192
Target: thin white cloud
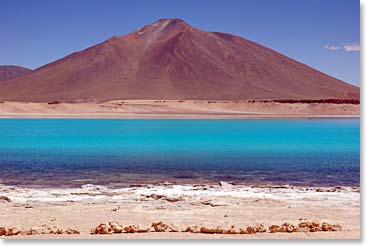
pixel 352 47
pixel 332 47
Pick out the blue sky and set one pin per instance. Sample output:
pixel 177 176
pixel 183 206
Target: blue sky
pixel 321 33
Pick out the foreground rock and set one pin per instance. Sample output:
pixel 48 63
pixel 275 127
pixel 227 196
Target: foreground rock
pixel 225 184
pixel 232 230
pixel 163 197
pixel 162 227
pixel 306 226
pixel 115 227
pixel 137 229
pixel 8 231
pixel 5 199
pixel 102 229
pixel 13 231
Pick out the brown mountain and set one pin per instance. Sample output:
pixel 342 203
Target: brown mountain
pixel 8 72
pixel 169 59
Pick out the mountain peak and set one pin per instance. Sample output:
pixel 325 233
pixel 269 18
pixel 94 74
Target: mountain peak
pixel 171 21
pixel 164 26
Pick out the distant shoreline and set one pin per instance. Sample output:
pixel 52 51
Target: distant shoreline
pixel 179 109
pixel 179 117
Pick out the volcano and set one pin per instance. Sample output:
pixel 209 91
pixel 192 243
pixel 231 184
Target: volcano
pixel 170 59
pixel 8 72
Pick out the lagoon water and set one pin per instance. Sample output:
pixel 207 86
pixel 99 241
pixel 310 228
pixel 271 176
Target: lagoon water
pixel 74 152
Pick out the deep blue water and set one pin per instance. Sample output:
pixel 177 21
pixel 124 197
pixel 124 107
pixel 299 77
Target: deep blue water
pixel 61 152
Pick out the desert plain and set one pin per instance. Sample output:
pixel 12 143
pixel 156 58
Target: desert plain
pixel 176 109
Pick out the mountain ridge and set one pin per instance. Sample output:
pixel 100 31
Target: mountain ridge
pixel 169 59
pixel 12 71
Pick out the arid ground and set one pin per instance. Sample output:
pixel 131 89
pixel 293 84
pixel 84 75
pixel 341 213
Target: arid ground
pixel 181 109
pixel 181 206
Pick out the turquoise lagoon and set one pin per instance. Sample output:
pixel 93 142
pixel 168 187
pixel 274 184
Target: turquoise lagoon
pixel 73 152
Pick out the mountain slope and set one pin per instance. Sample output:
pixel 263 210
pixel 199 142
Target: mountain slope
pixel 169 59
pixel 8 72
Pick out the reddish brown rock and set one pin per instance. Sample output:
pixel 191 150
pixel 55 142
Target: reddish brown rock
pixel 277 228
pixel 289 227
pixel 115 227
pixel 2 231
pixel 53 102
pixel 5 198
pixel 231 230
pixel 101 229
pixel 163 197
pixel 136 229
pixel 193 229
pixel 72 231
pixel 250 230
pixel 12 232
pixel 330 227
pixel 162 227
pixel 217 230
pixel 260 228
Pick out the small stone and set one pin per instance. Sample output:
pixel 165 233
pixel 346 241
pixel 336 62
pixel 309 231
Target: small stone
pixel 193 229
pixel 277 228
pixel 72 231
pixel 5 198
pixel 136 229
pixel 130 229
pixel 12 232
pixel 260 228
pixel 101 229
pixel 231 230
pixel 217 230
pixel 301 229
pixel 325 227
pixel 174 199
pixel 329 227
pixel 32 232
pixel 156 196
pixel 115 227
pixel 225 184
pixel 315 226
pixel 336 227
pixel 305 224
pixel 173 228
pixel 2 231
pixel 288 227
pixel 142 229
pixel 250 230
pixel 160 227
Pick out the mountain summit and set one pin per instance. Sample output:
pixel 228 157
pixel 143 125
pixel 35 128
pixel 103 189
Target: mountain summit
pixel 169 59
pixel 7 72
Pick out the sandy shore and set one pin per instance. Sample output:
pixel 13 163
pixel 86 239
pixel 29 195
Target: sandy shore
pixel 173 109
pixel 86 207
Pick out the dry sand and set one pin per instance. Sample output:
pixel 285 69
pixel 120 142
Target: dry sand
pixel 204 205
pixel 173 109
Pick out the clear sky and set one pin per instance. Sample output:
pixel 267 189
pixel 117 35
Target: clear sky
pixel 321 33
